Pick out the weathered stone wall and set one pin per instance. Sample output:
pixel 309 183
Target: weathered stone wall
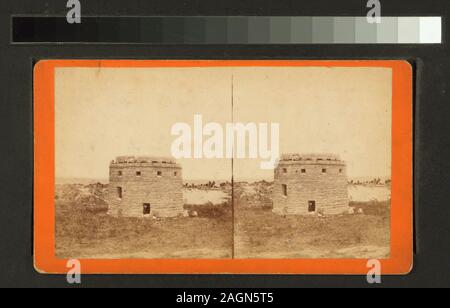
pixel 157 182
pixel 319 178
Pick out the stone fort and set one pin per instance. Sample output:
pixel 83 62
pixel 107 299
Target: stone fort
pixel 308 184
pixel 145 186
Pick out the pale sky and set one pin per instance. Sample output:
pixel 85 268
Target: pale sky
pixel 102 113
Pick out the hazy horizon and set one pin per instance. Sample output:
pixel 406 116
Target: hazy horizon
pixel 84 181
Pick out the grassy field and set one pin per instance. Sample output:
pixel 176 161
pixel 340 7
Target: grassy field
pixel 90 234
pixel 85 231
pixel 262 234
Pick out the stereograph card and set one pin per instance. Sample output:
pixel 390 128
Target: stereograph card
pixel 223 166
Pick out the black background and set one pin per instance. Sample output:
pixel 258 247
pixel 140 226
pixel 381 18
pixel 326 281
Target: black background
pixel 432 109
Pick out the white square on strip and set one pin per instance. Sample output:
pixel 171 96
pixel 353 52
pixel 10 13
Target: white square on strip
pixel 431 30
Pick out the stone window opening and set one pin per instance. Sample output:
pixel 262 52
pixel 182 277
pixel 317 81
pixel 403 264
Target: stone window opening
pixel 119 193
pixel 138 173
pixel 303 170
pixel 324 171
pixel 120 173
pixel 147 208
pixel 159 173
pixel 340 170
pixel 284 188
pixel 311 206
pixel 175 173
pixel 284 170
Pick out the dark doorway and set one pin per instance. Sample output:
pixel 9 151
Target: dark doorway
pixel 311 206
pixel 284 188
pixel 147 208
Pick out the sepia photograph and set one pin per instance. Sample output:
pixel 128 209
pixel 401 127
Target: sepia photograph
pixel 329 194
pixel 120 193
pixel 223 162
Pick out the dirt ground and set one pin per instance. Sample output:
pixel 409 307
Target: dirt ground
pixel 85 231
pixel 262 234
pixel 88 234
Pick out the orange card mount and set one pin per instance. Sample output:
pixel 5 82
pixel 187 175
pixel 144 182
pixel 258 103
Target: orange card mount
pixel 50 258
